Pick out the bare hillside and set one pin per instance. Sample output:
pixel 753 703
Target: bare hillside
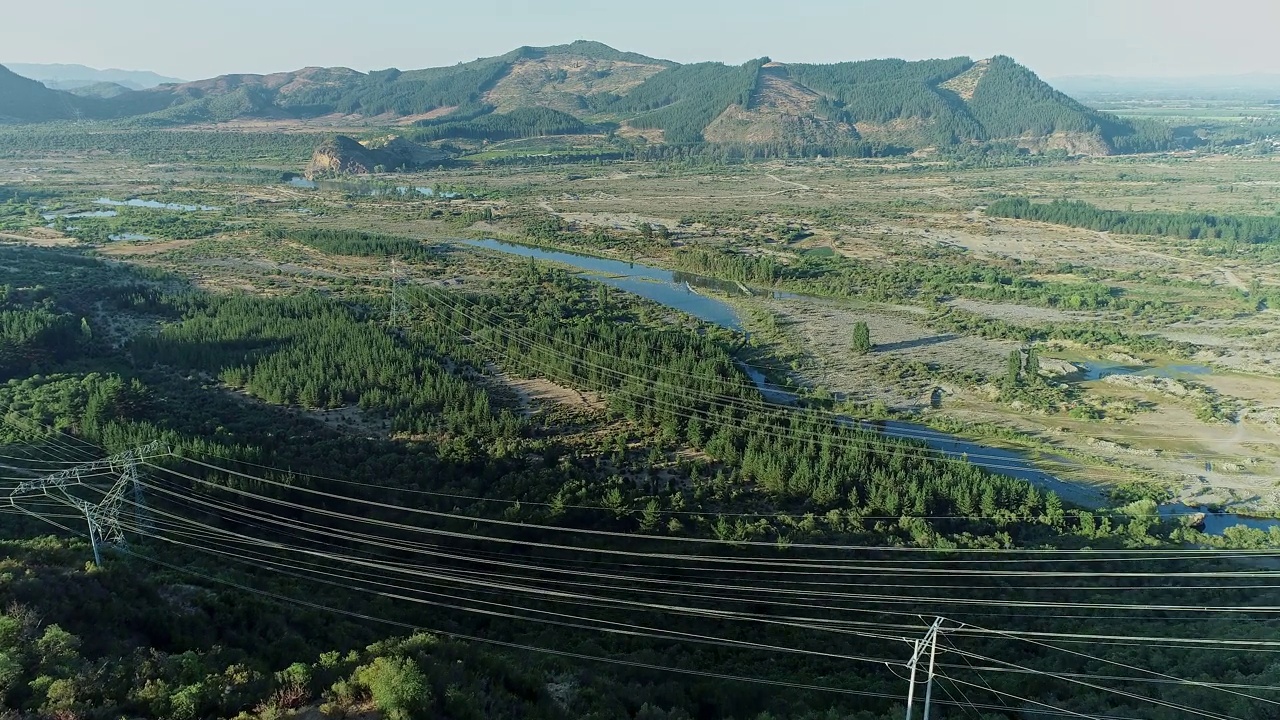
pixel 565 82
pixel 781 110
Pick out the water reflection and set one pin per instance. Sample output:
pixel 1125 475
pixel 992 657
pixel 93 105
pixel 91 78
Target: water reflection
pixel 675 290
pixel 1099 369
pixel 153 204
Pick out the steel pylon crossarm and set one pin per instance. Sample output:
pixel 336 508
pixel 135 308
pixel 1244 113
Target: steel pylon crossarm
pixel 101 516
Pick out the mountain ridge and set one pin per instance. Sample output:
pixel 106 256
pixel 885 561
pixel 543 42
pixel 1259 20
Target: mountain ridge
pixel 68 76
pixel 916 104
pixel 23 100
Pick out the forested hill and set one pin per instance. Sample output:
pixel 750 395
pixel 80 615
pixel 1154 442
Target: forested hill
pixel 25 100
pixel 931 103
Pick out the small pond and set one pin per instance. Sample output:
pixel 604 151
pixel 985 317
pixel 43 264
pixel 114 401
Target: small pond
pixel 1094 369
pixel 153 204
pixel 85 214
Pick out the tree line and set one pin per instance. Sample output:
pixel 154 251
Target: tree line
pixel 350 242
pixel 156 145
pixel 1184 225
pixel 519 123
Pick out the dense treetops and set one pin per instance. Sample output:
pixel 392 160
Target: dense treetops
pixel 683 100
pixel 519 123
pixel 1010 101
pixel 351 242
pixel 1189 226
pixel 882 90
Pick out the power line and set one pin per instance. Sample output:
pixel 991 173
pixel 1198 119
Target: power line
pixel 1064 676
pixel 604 533
pixel 1102 688
pixel 632 586
pixel 895 599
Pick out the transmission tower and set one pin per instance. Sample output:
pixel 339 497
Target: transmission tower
pixel 102 516
pixel 399 307
pixel 930 641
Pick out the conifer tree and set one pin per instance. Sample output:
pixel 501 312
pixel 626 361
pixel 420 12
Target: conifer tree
pixel 861 338
pixel 1014 376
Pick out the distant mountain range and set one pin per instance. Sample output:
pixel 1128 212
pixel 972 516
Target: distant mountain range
pixel 74 77
pixel 587 87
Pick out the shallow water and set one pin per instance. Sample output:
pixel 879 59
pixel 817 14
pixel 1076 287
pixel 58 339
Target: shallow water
pixel 1099 369
pixel 85 214
pixel 1217 523
pixel 154 204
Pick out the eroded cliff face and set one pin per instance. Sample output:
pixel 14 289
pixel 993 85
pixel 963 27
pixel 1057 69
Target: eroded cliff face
pixel 341 155
pixel 1074 143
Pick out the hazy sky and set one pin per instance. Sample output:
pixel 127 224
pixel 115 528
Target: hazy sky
pixel 200 38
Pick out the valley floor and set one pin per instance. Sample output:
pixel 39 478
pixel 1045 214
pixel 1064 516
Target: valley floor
pixel 1212 437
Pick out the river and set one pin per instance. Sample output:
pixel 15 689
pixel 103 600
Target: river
pixel 679 291
pixel 674 290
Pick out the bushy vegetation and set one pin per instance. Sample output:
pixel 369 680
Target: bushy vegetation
pixel 925 278
pixel 15 215
pixel 145 222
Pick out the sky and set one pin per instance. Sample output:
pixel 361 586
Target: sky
pixel 194 39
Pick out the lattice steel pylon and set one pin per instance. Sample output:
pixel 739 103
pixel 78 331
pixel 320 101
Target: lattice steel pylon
pixel 103 516
pixel 399 308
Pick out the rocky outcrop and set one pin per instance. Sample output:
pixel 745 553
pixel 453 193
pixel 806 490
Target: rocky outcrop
pixel 1074 143
pixel 1053 367
pixel 341 155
